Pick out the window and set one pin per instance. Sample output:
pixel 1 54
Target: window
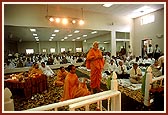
pixel 29 51
pixel 44 50
pixel 70 49
pixel 62 49
pixel 147 19
pixel 52 50
pixel 78 49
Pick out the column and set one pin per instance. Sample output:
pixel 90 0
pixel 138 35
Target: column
pixel 113 43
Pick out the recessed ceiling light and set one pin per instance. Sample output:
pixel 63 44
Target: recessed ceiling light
pixel 65 37
pixel 33 30
pixel 50 39
pixel 105 42
pixel 78 38
pixel 76 31
pixel 94 32
pixel 53 35
pixel 36 37
pixel 34 34
pixel 62 39
pixel 56 30
pixel 84 40
pixel 107 4
pixel 70 35
pixel 73 39
pixel 85 35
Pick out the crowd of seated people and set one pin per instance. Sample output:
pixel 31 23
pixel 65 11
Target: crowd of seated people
pixel 27 60
pixel 125 67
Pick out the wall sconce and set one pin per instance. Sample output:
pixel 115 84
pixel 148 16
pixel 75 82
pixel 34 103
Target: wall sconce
pixel 65 20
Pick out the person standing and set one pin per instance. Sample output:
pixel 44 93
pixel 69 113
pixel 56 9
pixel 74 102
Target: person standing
pixel 157 52
pixel 150 51
pixel 129 51
pixel 95 62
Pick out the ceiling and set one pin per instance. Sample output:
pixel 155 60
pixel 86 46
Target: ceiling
pixel 18 33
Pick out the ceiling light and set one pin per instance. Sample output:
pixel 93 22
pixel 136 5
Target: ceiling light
pixel 56 30
pixel 36 37
pixel 70 35
pixel 50 39
pixel 107 4
pixel 65 37
pixel 57 20
pixel 34 34
pixel 81 22
pixel 51 19
pixel 33 30
pixel 73 39
pixel 84 35
pixel 141 11
pixel 105 42
pixel 78 38
pixel 65 21
pixel 94 32
pixel 62 39
pixel 76 31
pixel 53 35
pixel 73 21
pixel 84 40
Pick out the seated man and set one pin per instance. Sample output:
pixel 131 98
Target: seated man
pixel 72 87
pixel 46 70
pixel 60 76
pixel 135 74
pixel 122 71
pixel 156 69
pixel 35 69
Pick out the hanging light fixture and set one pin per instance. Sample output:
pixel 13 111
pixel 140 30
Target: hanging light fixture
pixel 65 20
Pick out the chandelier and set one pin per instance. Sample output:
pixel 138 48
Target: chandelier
pixel 65 20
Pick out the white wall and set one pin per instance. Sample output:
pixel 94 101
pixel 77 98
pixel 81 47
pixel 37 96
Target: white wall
pixel 89 42
pixel 149 31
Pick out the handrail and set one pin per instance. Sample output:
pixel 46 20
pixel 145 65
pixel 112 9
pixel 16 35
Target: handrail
pixel 94 100
pixel 67 102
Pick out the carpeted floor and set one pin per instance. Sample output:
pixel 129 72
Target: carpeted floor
pixel 131 100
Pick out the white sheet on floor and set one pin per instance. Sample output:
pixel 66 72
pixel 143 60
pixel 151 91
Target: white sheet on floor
pixel 128 84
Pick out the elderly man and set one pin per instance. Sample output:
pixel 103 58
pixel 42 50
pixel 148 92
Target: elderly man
pixel 61 74
pixel 135 74
pixel 95 62
pixel 72 87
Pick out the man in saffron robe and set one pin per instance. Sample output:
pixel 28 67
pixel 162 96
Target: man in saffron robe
pixel 61 74
pixel 35 69
pixel 95 62
pixel 72 87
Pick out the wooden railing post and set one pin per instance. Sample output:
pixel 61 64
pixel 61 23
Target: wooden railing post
pixel 115 101
pixel 148 86
pixel 114 82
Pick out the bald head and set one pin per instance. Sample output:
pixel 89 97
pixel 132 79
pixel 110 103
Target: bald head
pixel 95 45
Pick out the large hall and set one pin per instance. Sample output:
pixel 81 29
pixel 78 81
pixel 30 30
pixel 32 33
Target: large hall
pixel 83 56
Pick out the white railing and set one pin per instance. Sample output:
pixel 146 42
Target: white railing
pixel 113 95
pixel 148 83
